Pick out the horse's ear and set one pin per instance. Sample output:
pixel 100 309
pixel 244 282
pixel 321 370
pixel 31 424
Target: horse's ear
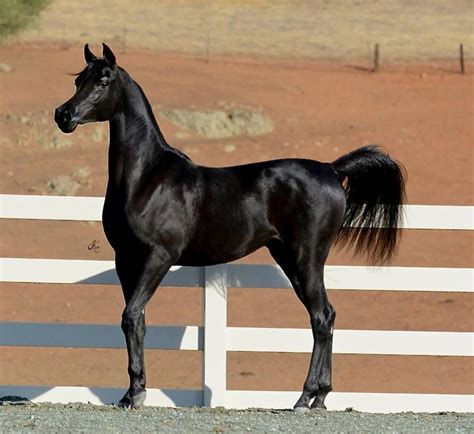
pixel 88 54
pixel 108 55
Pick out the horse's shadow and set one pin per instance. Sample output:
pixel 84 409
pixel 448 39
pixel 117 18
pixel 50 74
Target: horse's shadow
pixel 21 395
pixel 160 337
pixel 163 338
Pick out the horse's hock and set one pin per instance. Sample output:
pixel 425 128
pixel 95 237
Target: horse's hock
pixel 219 124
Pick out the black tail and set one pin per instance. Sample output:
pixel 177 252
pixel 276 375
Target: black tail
pixel 375 189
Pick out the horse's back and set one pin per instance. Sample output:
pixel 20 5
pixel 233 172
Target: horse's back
pixel 301 193
pixel 279 186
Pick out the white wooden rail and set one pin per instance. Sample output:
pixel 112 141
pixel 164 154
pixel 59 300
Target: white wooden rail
pixel 90 209
pixel 215 338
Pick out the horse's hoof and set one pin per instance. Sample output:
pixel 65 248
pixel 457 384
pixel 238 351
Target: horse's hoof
pixel 134 402
pixel 301 409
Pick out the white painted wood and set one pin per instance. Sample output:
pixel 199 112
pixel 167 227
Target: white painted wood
pixel 238 339
pixel 215 322
pixel 353 341
pixel 420 343
pixel 97 336
pixel 85 272
pixel 367 402
pixel 217 337
pixel 58 271
pixel 400 278
pixel 97 395
pixel 90 208
pixel 438 217
pixel 244 275
pixel 14 206
pixel 359 278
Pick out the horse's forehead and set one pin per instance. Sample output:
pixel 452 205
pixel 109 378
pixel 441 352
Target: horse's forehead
pixel 98 68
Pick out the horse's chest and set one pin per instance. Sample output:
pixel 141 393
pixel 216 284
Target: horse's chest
pixel 127 228
pixel 117 228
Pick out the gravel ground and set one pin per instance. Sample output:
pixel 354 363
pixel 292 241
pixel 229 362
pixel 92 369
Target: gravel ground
pixel 27 417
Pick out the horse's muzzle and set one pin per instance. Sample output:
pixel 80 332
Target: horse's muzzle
pixel 64 118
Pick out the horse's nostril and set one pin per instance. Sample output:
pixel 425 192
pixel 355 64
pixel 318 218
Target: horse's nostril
pixel 67 116
pixel 63 115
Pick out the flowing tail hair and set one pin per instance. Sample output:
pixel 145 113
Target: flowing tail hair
pixel 375 190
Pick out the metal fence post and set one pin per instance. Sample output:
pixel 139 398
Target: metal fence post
pixel 215 322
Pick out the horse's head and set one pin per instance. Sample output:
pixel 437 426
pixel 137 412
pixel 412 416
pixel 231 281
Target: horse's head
pixel 97 92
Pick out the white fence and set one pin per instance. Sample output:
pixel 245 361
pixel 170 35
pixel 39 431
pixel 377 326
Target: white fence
pixel 214 338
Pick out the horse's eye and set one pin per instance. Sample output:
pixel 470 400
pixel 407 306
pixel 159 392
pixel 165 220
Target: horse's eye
pixel 104 84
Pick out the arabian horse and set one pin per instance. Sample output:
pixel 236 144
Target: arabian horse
pixel 161 209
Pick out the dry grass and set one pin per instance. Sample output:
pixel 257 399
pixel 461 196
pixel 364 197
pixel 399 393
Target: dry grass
pixel 344 29
pixel 218 124
pixel 15 14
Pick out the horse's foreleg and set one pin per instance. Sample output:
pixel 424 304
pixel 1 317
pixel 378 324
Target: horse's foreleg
pixel 154 269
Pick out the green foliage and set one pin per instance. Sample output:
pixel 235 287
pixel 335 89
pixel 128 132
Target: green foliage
pixel 15 14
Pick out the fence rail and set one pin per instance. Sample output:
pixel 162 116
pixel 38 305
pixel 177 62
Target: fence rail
pixel 281 340
pixel 90 209
pixel 244 276
pixel 214 339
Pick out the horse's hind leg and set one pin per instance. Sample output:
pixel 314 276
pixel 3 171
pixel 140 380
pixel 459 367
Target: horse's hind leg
pixel 285 259
pixel 322 316
pixel 305 271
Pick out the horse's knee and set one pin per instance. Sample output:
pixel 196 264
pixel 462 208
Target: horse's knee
pixel 131 319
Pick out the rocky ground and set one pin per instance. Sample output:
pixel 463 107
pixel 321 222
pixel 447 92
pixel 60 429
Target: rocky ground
pixel 25 417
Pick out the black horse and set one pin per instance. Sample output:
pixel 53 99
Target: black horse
pixel 162 209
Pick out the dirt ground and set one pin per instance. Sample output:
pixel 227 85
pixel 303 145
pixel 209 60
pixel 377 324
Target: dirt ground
pixel 420 114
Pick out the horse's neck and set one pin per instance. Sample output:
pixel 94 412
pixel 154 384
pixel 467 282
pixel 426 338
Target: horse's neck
pixel 135 138
pixel 134 125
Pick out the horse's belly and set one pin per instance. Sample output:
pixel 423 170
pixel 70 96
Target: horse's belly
pixel 200 258
pixel 216 247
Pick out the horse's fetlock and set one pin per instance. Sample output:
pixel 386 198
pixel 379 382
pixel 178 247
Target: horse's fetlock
pixel 311 389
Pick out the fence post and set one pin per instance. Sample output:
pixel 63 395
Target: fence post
pixel 376 58
pixel 215 322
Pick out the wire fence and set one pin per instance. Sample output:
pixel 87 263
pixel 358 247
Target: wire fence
pixel 343 31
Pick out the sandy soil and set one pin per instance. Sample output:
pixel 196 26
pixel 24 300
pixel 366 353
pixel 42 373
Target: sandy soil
pixel 420 114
